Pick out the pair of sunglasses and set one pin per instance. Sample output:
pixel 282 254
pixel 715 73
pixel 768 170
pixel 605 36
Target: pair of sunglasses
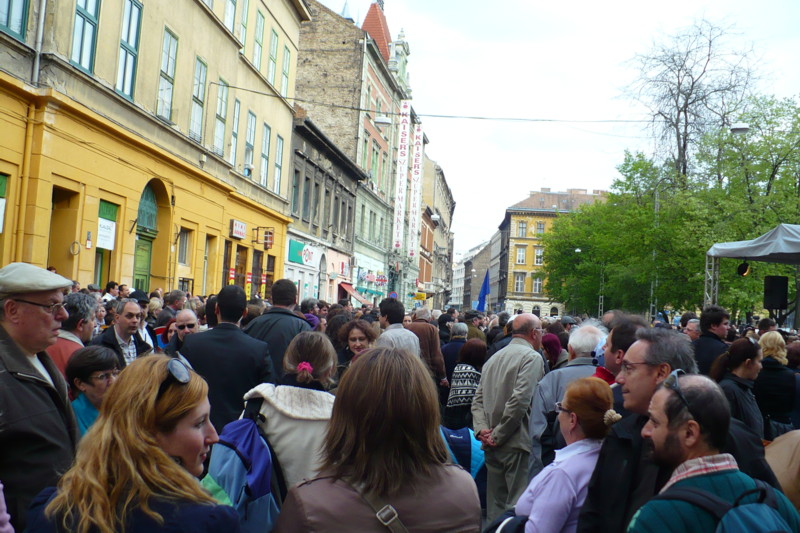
pixel 672 384
pixel 177 372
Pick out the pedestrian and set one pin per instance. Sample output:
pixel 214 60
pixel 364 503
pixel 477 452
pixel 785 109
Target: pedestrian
pixel 736 371
pixel 356 336
pixel 90 372
pixel 465 380
pixel 777 387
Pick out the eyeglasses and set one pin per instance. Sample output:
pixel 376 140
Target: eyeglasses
pixel 561 409
pixel 672 384
pixel 106 376
pixel 177 372
pixel 628 367
pixel 51 308
pixel 184 326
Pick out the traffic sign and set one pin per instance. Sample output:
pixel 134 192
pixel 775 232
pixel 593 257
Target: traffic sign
pixel 392 294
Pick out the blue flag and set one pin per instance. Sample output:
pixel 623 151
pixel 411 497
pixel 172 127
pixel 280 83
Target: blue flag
pixel 484 293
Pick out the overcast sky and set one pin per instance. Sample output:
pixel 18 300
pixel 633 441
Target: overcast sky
pixel 547 60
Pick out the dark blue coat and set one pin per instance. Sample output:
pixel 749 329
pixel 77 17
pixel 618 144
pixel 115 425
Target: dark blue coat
pixel 277 327
pixel 179 517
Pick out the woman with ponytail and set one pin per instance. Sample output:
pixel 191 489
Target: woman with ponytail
pixel 297 411
pixel 736 371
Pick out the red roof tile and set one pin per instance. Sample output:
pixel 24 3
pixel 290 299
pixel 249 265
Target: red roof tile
pixel 377 28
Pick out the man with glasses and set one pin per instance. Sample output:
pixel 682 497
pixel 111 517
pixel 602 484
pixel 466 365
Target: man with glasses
pixel 626 476
pixel 123 336
pixel 687 429
pixel 38 432
pixel 714 328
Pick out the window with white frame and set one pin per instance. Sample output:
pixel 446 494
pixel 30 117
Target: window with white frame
pixel 234 133
pixel 278 164
pixel 272 65
pixel 12 17
pixel 521 255
pixel 221 117
pixel 287 58
pixel 166 82
pixel 128 47
pixel 540 227
pixel 522 228
pixel 84 33
pixel 230 14
pixel 183 246
pixel 537 285
pixel 258 46
pixel 539 258
pixel 519 282
pixel 249 144
pixel 265 140
pixel 198 100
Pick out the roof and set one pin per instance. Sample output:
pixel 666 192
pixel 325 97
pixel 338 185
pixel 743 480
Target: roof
pixel 779 245
pixel 377 28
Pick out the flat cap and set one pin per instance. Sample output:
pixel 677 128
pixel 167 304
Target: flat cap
pixel 94 288
pixel 140 296
pixel 17 278
pixel 568 320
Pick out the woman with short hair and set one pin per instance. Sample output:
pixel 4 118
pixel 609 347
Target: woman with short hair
pixel 90 372
pixel 297 411
pixel 383 447
pixel 136 469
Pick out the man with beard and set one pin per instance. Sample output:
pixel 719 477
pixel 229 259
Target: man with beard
pixel 687 428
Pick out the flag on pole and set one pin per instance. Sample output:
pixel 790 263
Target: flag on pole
pixel 484 293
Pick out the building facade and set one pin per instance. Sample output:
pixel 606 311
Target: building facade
pixel 522 229
pixel 439 206
pixel 148 142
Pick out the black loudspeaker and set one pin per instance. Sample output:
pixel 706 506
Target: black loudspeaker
pixel 776 289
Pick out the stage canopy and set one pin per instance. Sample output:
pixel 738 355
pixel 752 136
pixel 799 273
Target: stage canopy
pixel 779 245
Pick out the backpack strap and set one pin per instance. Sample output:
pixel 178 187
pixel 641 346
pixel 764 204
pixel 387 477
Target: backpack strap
pixel 766 494
pixel 252 409
pixel 710 503
pixel 384 512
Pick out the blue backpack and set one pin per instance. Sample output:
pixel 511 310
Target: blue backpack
pixel 242 473
pixel 760 515
pixel 465 450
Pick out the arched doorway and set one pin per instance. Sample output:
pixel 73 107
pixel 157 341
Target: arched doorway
pixel 554 311
pixel 536 311
pixel 152 220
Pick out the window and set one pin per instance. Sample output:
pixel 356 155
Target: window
pixel 198 101
pixel 243 28
pixel 372 227
pixel 249 144
pixel 361 223
pixel 128 47
pixel 183 246
pixel 278 164
pixel 539 258
pixel 296 192
pixel 273 57
pixel 521 259
pixel 540 227
pixel 536 310
pixel 166 83
pixel 522 228
pixel 519 282
pixel 287 57
pixel 234 132
pixel 84 34
pixel 265 138
pixel 222 114
pixel 259 44
pixel 374 167
pixel 537 285
pixel 384 164
pixel 230 13
pixel 306 199
pixel 13 14
pixel 365 151
pixel 315 202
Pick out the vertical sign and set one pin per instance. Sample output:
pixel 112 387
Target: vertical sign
pixel 263 288
pixel 403 146
pixel 231 276
pixel 248 284
pixel 415 202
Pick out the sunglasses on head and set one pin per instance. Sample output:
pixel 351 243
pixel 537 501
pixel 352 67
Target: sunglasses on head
pixel 184 326
pixel 177 372
pixel 672 384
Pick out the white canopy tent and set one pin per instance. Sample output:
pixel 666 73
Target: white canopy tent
pixel 779 245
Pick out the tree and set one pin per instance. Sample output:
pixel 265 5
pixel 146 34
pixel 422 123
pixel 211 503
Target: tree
pixel 692 82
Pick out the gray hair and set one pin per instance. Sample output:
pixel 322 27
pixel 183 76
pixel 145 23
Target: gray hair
pixel 119 306
pixel 307 305
pixel 458 329
pixel 670 347
pixel 694 321
pixel 80 306
pixel 423 313
pixel 585 338
pixel 173 297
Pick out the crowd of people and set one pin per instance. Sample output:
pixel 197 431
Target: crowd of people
pixel 111 403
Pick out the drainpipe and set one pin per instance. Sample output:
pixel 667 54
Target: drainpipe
pixel 39 38
pixel 25 179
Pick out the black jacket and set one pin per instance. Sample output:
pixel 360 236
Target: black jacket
pixel 450 356
pixel 743 404
pixel 109 339
pixel 498 344
pixel 277 327
pixel 232 363
pixel 38 432
pixel 707 347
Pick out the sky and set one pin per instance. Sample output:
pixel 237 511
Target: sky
pixel 549 60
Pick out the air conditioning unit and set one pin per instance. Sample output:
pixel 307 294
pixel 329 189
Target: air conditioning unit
pixel 436 217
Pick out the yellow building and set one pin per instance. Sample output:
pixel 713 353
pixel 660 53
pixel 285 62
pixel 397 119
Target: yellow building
pixel 525 223
pixel 148 143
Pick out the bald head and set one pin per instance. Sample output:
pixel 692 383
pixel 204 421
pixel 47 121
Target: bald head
pixel 186 323
pixel 526 323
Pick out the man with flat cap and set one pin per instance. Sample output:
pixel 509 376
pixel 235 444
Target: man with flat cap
pixel 38 432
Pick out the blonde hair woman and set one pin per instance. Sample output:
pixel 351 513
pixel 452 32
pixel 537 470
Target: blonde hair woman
pixel 136 468
pixel 297 411
pixel 776 388
pixel 383 447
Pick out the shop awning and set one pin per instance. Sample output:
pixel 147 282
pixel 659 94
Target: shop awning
pixel 352 292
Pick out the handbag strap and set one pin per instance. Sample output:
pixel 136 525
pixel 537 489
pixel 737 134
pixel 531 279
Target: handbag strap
pixel 384 512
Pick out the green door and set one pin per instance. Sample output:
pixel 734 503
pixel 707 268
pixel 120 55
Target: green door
pixel 141 264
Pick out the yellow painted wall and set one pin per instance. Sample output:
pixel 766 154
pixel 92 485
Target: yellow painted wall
pixel 531 240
